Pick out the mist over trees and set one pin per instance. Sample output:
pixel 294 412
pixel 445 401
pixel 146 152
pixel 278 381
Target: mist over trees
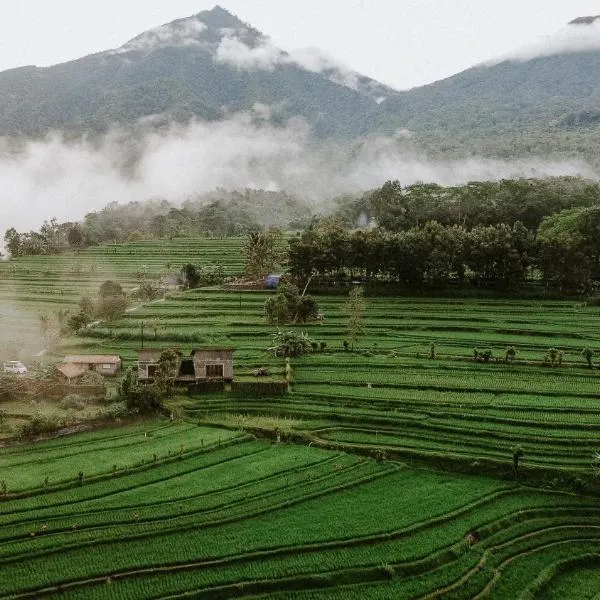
pixel 488 234
pixel 219 213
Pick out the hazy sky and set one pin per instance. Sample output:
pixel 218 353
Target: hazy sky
pixel 400 42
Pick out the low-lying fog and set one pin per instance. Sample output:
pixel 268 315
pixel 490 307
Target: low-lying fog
pixel 66 179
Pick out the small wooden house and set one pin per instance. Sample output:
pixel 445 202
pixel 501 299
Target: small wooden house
pixel 213 363
pixel 203 364
pixel 105 364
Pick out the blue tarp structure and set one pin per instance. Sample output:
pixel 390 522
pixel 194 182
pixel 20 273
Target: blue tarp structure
pixel 272 281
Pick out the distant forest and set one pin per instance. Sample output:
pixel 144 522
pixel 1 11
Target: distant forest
pixel 218 214
pixel 488 234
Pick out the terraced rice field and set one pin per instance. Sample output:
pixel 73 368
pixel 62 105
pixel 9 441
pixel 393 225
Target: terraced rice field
pixel 191 511
pixel 388 395
pixel 43 284
pixel 198 510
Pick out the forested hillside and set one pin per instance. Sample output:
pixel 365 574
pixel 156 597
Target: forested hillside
pixel 207 66
pixel 212 65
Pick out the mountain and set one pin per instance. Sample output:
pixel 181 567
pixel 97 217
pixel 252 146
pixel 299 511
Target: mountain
pixel 548 91
pixel 212 65
pixel 207 66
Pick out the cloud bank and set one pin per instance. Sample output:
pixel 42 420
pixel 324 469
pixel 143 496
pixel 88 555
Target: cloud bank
pixel 575 37
pixel 66 179
pixel 232 50
pixel 262 54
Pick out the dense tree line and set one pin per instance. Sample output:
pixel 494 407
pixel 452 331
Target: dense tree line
pixel 430 255
pixel 564 253
pixel 396 208
pixel 491 234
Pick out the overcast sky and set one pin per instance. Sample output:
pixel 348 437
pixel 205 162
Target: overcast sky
pixel 403 43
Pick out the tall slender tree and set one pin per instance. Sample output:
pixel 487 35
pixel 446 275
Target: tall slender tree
pixel 355 309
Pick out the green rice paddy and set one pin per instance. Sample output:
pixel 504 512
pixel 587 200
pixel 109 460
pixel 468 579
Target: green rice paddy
pixel 388 459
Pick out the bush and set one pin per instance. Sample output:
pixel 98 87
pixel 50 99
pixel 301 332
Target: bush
pixel 150 290
pixel 289 307
pixel 73 401
pixel 39 424
pixel 93 378
pixel 290 343
pixel 261 372
pixel 483 355
pixel 78 320
pixel 143 399
pixel 116 410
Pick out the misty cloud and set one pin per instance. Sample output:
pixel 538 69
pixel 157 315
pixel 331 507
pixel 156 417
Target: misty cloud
pixel 179 33
pixel 575 37
pixel 313 59
pixel 264 55
pixel 66 179
pixel 232 50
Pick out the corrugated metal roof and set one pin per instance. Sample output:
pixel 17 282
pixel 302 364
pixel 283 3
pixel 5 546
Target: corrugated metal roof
pixel 93 359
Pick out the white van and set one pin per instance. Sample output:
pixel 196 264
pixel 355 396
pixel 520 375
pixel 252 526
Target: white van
pixel 15 366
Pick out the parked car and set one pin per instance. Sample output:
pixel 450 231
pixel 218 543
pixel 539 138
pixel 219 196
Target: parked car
pixel 15 366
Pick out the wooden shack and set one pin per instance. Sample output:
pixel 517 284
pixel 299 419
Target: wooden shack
pixel 148 363
pixel 105 364
pixel 203 364
pixel 213 363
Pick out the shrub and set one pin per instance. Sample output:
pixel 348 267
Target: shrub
pixel 510 354
pixel 116 410
pixel 432 350
pixel 290 343
pixel 39 424
pixel 587 354
pixel 289 307
pixel 261 372
pixel 93 378
pixel 483 355
pixel 73 401
pixel 138 398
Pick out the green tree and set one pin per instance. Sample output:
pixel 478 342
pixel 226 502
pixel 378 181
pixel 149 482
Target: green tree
pixel 111 302
pixel 75 237
pixel 588 354
pixel 261 253
pixel 142 399
pixel 287 306
pixel 517 457
pixel 190 276
pixel 168 365
pixel 13 242
pixel 553 355
pixel 355 309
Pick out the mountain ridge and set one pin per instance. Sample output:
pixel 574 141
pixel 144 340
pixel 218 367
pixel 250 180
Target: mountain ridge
pixel 212 65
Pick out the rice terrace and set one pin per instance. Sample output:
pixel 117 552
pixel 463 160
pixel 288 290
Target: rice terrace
pixel 404 467
pixel 271 328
